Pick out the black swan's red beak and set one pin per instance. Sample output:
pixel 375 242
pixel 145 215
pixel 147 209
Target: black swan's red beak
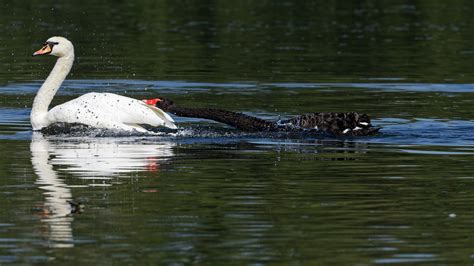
pixel 152 101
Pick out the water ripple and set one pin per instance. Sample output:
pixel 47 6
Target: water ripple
pixel 73 87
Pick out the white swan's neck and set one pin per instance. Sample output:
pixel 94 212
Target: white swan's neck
pixel 39 111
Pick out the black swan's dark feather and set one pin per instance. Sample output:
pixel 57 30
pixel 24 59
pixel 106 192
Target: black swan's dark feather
pixel 350 123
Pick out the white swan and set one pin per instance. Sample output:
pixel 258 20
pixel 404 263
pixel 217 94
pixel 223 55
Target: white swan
pixel 99 110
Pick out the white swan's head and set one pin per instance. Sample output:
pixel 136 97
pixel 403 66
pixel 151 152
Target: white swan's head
pixel 57 46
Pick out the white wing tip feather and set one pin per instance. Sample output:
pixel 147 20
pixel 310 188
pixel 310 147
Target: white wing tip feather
pixel 170 125
pixel 167 120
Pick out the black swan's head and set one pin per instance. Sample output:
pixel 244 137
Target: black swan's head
pixel 164 104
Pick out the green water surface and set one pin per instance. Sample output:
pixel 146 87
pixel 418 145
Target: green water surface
pixel 211 195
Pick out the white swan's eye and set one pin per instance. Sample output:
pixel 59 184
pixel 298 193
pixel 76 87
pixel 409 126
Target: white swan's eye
pixel 51 44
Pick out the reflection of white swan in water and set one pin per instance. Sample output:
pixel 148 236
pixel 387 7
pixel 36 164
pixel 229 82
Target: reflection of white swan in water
pixel 102 158
pixel 89 158
pixel 56 207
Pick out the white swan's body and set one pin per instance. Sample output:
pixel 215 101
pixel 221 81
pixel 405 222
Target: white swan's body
pixel 108 110
pixel 99 110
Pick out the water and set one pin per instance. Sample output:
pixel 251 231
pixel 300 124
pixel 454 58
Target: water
pixel 213 195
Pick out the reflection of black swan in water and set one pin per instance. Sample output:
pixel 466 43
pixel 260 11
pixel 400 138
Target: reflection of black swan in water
pixel 341 124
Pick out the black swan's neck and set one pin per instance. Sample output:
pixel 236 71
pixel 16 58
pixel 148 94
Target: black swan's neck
pixel 340 124
pixel 237 120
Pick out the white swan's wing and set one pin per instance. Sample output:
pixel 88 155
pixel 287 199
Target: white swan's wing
pixel 108 110
pixel 169 122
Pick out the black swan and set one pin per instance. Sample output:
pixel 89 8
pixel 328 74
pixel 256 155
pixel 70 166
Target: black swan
pixel 339 124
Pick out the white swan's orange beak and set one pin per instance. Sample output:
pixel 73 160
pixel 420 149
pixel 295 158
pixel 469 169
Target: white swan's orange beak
pixel 46 49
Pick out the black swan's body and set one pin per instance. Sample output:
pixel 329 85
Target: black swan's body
pixel 340 124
